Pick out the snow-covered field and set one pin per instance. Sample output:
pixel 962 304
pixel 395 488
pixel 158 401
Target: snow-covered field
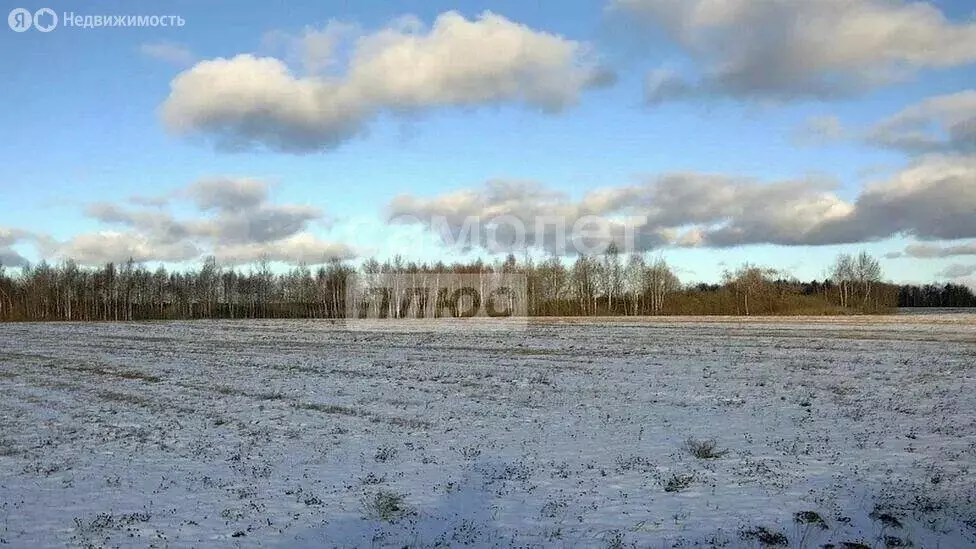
pixel 564 433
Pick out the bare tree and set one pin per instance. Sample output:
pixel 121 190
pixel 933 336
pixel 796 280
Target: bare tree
pixel 634 281
pixel 659 282
pixel 611 274
pixel 553 278
pixel 6 304
pixel 843 274
pixel 130 291
pixel 584 278
pixel 748 282
pixel 867 273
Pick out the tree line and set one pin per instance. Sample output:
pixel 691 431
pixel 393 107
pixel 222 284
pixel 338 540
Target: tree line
pixel 931 295
pixel 606 284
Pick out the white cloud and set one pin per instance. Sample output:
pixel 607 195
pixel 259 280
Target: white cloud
pixel 315 50
pixel 175 54
pixel 295 249
pixel 789 49
pixel 111 246
pixel 460 62
pixel 506 215
pixel 8 237
pixel 248 102
pixel 941 123
pixel 820 130
pixel 233 221
pixel 958 271
pixel 930 199
pixel 11 258
pixel 228 194
pixel 261 224
pixel 930 251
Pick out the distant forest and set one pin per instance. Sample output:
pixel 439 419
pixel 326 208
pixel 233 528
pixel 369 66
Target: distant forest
pixel 608 284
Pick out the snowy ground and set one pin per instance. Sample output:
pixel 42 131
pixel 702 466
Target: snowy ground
pixel 562 434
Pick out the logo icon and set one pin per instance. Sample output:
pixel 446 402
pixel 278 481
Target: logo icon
pixel 45 20
pixel 20 20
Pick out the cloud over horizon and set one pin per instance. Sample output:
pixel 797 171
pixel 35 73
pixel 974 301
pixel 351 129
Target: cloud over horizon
pixel 234 218
pixel 8 256
pixel 958 270
pixel 931 199
pixel 233 221
pixel 934 251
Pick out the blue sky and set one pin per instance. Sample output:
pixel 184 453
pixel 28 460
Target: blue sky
pixel 86 127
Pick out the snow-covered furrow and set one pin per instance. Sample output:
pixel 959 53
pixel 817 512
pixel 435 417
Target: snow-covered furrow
pixel 559 432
